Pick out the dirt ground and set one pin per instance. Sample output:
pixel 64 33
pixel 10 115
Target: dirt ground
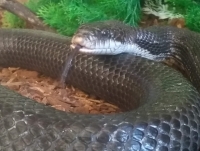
pixel 44 89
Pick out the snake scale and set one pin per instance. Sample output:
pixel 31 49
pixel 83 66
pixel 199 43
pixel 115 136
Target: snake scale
pixel 162 106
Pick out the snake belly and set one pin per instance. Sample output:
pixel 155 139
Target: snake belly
pixel 162 107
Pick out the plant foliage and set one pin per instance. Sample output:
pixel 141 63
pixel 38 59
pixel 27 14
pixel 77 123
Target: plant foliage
pixel 67 15
pixel 188 9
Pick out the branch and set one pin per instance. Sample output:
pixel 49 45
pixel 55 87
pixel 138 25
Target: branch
pixel 24 13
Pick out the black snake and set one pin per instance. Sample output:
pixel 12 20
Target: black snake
pixel 167 107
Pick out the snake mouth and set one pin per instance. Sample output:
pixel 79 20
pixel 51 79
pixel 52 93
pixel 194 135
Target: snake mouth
pixel 78 42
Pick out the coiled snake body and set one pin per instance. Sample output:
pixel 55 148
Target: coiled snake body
pixel 167 117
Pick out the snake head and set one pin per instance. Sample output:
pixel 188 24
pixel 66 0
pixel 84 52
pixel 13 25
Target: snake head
pixel 104 37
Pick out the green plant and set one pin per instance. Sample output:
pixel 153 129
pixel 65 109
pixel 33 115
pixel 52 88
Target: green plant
pixel 188 9
pixel 11 21
pixel 179 5
pixel 67 19
pixel 67 15
pixel 192 18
